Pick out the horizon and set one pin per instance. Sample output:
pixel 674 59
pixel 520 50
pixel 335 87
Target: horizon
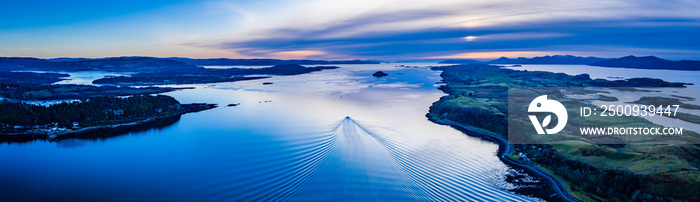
pixel 451 100
pixel 376 60
pixel 366 30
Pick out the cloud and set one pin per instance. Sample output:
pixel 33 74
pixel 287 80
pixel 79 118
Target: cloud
pixel 374 29
pixel 515 36
pixel 494 54
pixel 299 54
pixel 401 29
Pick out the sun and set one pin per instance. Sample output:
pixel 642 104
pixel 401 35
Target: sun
pixel 470 38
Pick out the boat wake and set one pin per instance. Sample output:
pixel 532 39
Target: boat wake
pixel 364 165
pixel 352 161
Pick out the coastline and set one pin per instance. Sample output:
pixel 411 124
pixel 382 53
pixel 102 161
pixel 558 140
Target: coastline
pixel 54 136
pixel 503 149
pixel 476 98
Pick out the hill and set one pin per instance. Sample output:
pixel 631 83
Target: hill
pixel 460 61
pixel 649 62
pixel 119 64
pixel 555 59
pixel 264 62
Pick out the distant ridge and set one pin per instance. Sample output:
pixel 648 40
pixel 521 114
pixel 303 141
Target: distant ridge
pixel 146 64
pixel 229 61
pixel 646 62
pixel 66 59
pixel 555 59
pixel 649 62
pixel 460 61
pixel 264 62
pixel 119 64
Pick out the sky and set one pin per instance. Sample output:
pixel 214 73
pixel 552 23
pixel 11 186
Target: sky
pixel 360 29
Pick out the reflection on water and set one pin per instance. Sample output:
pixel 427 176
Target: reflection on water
pixel 96 135
pixel 292 140
pixel 106 133
pixel 86 78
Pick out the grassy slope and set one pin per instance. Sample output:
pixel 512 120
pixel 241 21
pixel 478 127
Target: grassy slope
pixel 478 97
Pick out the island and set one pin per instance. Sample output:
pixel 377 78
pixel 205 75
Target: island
pixel 21 120
pixel 73 91
pixel 379 74
pixel 204 75
pixel 477 104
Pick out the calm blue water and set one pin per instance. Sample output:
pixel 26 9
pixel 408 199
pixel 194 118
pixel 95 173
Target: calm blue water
pixel 332 135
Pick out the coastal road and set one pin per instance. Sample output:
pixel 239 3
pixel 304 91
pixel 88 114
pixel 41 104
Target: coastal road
pixel 504 149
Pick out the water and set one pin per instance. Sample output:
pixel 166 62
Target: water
pixel 331 135
pixel 617 73
pixel 86 78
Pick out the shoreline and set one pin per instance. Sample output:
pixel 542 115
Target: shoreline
pixel 503 149
pixel 57 135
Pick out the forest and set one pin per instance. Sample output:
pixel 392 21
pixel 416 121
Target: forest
pixel 20 117
pixel 72 91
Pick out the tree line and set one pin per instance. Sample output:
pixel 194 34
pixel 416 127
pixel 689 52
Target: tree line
pixel 86 112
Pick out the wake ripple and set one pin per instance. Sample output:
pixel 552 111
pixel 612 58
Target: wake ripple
pixel 272 174
pixel 411 172
pixel 350 162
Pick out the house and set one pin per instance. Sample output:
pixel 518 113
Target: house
pixel 523 156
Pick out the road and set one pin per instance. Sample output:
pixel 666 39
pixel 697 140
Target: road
pixel 504 149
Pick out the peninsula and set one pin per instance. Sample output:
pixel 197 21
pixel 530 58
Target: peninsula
pixel 477 102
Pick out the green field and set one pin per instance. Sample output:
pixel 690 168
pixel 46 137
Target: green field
pixel 624 168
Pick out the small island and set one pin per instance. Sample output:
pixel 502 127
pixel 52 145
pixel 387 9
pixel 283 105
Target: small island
pixel 380 74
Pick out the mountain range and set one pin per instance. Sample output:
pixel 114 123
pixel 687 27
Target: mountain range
pixel 151 64
pixel 646 62
pixel 146 64
pixel 649 62
pixel 555 59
